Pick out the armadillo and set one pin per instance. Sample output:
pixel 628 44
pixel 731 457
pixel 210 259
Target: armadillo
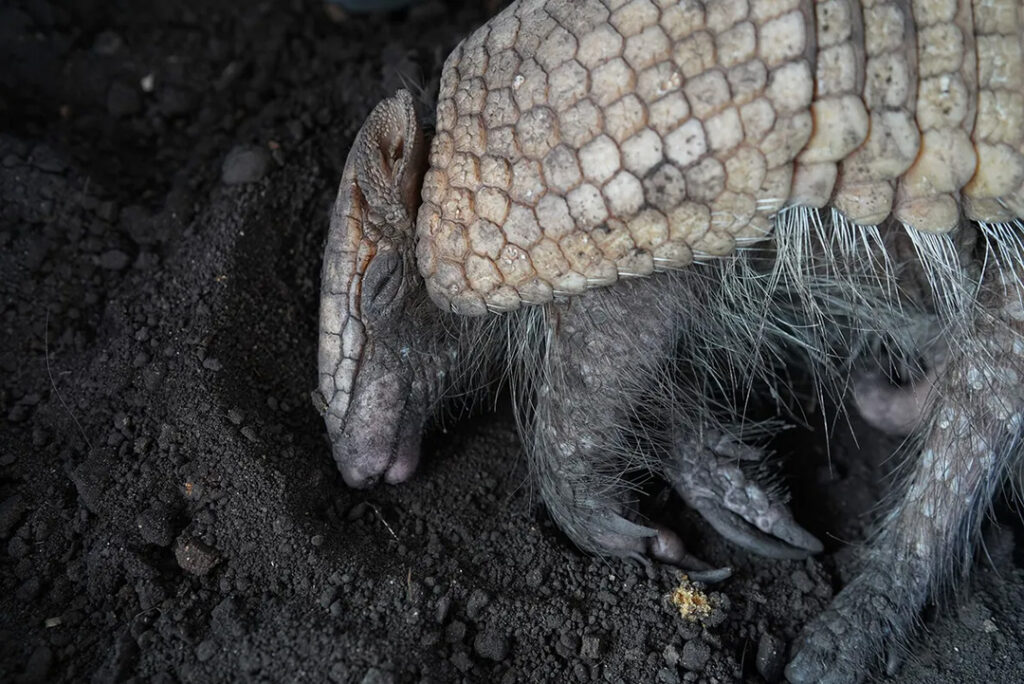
pixel 637 211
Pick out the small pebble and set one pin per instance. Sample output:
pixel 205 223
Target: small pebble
pixel 195 557
pixel 802 581
pixel 114 260
pixel 491 644
pixel 206 650
pixel 245 164
pixel 590 647
pixel 695 655
pixel 477 601
pixel 377 676
pixel 339 673
pixel 771 652
pixel 444 604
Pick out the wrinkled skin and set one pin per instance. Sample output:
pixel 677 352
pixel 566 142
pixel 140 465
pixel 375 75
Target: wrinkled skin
pixel 388 358
pixel 381 360
pixel 969 431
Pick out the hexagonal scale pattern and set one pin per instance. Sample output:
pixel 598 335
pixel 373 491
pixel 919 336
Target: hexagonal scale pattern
pixel 580 141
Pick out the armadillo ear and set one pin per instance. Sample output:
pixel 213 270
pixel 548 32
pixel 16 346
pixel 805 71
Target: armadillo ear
pixel 390 161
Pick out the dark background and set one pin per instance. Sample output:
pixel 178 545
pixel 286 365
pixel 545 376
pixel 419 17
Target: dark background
pixel 168 507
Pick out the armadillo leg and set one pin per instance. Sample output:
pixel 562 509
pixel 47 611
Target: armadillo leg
pixel 704 468
pixel 585 387
pixel 968 441
pixel 900 410
pixel 891 409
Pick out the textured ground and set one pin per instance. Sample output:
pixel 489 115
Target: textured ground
pixel 168 508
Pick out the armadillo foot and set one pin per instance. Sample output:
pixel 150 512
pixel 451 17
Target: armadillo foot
pixel 705 472
pixel 841 644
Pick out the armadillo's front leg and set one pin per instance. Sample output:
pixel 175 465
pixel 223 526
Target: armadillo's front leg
pixel 586 383
pixel 970 440
pixel 600 359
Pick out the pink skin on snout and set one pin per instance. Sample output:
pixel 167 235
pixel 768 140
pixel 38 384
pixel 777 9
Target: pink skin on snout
pixel 382 430
pixel 364 470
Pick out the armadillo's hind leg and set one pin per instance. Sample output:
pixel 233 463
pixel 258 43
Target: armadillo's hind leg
pixel 704 467
pixel 900 409
pixel 583 391
pixel 894 410
pixel 971 437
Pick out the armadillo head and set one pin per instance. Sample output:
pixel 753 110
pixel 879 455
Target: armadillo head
pixel 372 389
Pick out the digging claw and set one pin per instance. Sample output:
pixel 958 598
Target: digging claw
pixel 790 532
pixel 706 475
pixel 739 532
pixel 616 535
pixel 667 547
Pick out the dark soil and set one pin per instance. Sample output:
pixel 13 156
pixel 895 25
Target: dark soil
pixel 169 510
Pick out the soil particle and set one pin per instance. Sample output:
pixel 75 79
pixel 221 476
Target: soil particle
pixel 155 524
pixel 114 260
pixel 245 164
pixel 38 666
pixel 771 654
pixel 194 556
pixel 11 511
pixel 695 655
pixel 491 644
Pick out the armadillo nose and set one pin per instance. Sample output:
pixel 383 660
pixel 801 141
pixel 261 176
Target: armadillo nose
pixel 403 467
pixel 366 466
pixel 356 477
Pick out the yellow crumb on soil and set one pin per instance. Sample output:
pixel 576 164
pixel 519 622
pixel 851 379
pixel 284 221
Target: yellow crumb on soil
pixel 693 604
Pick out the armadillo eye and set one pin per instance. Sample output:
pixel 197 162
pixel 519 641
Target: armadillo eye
pixel 381 283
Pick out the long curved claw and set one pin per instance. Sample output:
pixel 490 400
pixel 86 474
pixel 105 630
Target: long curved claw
pixel 705 474
pixel 667 547
pixel 712 576
pixel 793 534
pixel 741 533
pixel 616 535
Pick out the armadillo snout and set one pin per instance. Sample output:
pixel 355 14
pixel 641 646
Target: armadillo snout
pixel 363 465
pixel 380 436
